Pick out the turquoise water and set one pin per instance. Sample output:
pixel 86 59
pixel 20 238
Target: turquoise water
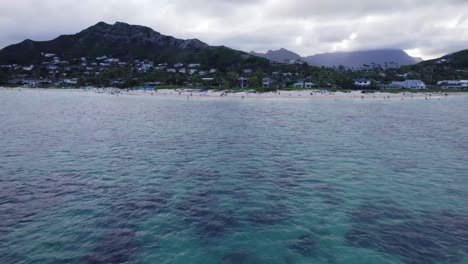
pixel 90 178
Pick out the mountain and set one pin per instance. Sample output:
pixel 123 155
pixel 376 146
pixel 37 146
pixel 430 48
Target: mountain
pixel 457 60
pixel 386 58
pixel 126 42
pixel 280 55
pixel 418 59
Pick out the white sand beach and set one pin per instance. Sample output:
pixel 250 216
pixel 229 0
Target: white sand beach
pixel 185 93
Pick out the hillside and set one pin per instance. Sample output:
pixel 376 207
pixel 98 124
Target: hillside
pixel 356 59
pixel 127 42
pixel 280 55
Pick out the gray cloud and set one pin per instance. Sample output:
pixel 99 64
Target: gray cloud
pixel 425 28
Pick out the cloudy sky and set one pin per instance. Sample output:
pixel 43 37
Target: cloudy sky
pixel 426 28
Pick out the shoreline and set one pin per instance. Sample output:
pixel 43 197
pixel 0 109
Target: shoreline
pixel 188 94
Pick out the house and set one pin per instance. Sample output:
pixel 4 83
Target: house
pixel 111 60
pixel 178 65
pixel 183 70
pixel 194 65
pixel 414 84
pixel 408 84
pixel 202 73
pixel 295 62
pixel 213 71
pixel 28 68
pixel 161 66
pixel 192 71
pixel 171 70
pixel 453 84
pixel 32 82
pixel 248 71
pixel 52 67
pixel 362 82
pixel 72 81
pixel 267 82
pixel 304 85
pixel 243 82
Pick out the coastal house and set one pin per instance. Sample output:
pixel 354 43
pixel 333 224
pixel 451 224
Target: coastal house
pixel 72 81
pixel 183 70
pixel 304 85
pixel 414 84
pixel 243 82
pixel 192 71
pixel 194 65
pixel 364 83
pixel 267 82
pixel 171 70
pixel 453 84
pixel 32 82
pixel 408 84
pixel 178 65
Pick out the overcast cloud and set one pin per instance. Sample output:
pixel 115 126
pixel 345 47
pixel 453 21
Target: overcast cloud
pixel 427 28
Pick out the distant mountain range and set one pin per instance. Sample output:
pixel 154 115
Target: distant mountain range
pixel 130 42
pixel 280 55
pixel 127 42
pixel 387 58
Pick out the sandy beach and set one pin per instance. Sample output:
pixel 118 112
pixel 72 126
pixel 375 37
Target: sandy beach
pixel 184 93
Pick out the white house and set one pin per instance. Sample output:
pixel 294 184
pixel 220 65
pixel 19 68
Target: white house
pixel 408 84
pixel 72 81
pixel 32 82
pixel 303 85
pixel 414 84
pixel 362 83
pixel 194 65
pixel 28 68
pixel 453 84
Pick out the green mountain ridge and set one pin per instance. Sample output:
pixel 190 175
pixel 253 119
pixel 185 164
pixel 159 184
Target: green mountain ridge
pixel 127 42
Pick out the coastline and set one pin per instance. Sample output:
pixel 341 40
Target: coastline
pixel 280 94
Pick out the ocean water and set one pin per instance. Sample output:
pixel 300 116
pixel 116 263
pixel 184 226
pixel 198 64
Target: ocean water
pixel 88 178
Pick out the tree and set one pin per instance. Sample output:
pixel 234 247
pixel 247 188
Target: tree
pixel 196 79
pixel 231 79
